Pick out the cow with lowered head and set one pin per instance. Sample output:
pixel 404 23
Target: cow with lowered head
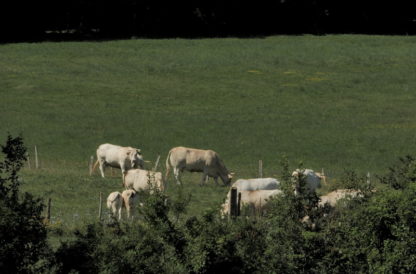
pixel 207 162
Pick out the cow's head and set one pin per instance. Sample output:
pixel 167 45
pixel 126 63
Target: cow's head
pixel 136 159
pixel 227 179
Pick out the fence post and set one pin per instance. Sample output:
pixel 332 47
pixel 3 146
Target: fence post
pixel 239 204
pixel 323 176
pixel 91 164
pixel 368 177
pixel 157 163
pixel 260 168
pixel 28 161
pixel 48 212
pixel 100 207
pixel 36 158
pixel 233 203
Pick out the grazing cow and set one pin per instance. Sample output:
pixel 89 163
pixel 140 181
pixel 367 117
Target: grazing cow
pixel 312 179
pixel 130 200
pixel 115 203
pixel 256 184
pixel 197 160
pixel 140 179
pixel 124 158
pixel 333 197
pixel 254 199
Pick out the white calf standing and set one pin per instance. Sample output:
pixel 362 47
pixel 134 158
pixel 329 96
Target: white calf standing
pixel 115 203
pixel 130 200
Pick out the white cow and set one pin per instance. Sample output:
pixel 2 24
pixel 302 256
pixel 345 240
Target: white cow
pixel 130 198
pixel 255 199
pixel 197 160
pixel 333 197
pixel 140 179
pixel 256 184
pixel 115 203
pixel 124 158
pixel 312 179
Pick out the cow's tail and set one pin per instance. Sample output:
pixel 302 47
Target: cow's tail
pixel 94 167
pixel 167 166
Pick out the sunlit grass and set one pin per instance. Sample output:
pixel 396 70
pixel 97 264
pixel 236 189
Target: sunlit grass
pixel 331 102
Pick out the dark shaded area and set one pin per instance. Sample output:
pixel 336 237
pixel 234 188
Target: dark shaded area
pixel 26 20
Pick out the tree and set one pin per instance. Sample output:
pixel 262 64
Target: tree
pixel 22 233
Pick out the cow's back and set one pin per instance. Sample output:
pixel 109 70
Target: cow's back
pixel 191 159
pixel 109 152
pixel 256 184
pixel 140 179
pixel 258 198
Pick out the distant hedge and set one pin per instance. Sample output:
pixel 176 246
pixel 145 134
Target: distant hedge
pixel 106 19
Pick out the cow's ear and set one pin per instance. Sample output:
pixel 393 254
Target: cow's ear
pixel 139 151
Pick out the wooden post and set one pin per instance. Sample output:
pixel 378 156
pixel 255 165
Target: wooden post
pixel 157 163
pixel 260 169
pixel 48 212
pixel 28 161
pixel 368 177
pixel 239 204
pixel 36 158
pixel 91 164
pixel 100 207
pixel 233 203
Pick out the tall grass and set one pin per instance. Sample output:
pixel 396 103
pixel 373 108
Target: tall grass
pixel 332 102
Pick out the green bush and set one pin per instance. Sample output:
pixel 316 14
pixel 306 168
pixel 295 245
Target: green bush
pixel 373 233
pixel 23 245
pixel 401 174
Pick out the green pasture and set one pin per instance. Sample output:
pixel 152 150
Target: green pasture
pixel 334 102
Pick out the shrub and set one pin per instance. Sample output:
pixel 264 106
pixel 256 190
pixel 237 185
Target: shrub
pixel 24 248
pixel 401 174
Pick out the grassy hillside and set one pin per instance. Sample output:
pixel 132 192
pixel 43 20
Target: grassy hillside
pixel 332 102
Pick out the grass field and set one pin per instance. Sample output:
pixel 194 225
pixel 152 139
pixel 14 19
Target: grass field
pixel 332 102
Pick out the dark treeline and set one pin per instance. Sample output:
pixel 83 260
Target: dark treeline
pixel 107 19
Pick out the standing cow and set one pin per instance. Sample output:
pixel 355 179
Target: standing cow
pixel 130 201
pixel 140 179
pixel 256 200
pixel 197 160
pixel 124 158
pixel 115 203
pixel 256 184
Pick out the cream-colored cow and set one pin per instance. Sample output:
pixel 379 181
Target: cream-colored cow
pixel 124 158
pixel 333 197
pixel 130 199
pixel 207 162
pixel 140 179
pixel 115 203
pixel 255 199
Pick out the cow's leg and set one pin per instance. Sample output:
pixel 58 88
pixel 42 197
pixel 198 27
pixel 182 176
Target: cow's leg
pixel 123 176
pixel 177 173
pixel 128 212
pixel 216 180
pixel 102 168
pixel 119 213
pixel 204 179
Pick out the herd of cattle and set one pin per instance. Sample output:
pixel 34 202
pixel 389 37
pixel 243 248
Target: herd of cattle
pixel 254 192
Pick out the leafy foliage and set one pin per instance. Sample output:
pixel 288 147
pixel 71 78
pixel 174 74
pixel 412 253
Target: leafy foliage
pixel 401 174
pixel 23 235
